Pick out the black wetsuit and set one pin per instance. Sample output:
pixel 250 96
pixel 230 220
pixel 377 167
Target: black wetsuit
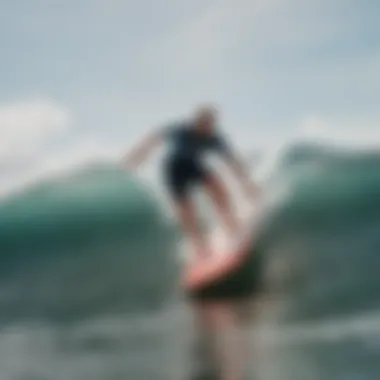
pixel 184 166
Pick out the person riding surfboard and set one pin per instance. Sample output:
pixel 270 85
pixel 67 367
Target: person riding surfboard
pixel 184 168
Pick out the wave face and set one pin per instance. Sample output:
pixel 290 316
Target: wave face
pixel 94 242
pixel 322 238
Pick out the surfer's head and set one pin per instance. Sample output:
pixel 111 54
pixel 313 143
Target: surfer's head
pixel 205 118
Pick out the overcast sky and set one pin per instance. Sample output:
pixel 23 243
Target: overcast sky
pixel 83 78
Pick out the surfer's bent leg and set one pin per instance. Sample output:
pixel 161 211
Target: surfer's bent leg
pixel 180 179
pixel 219 195
pixel 188 219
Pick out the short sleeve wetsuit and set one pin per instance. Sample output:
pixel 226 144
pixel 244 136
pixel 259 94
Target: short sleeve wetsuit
pixel 184 165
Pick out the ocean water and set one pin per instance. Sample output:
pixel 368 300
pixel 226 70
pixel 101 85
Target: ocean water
pixel 89 274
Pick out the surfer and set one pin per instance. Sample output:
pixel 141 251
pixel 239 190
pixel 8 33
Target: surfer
pixel 184 168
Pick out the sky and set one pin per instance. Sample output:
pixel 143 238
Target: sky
pixel 84 79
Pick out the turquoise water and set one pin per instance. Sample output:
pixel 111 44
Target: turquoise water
pixel 80 246
pixel 88 275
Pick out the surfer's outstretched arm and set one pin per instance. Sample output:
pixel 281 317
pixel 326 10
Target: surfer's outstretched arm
pixel 141 152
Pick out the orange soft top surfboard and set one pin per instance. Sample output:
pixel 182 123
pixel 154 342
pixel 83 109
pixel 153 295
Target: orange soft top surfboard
pixel 226 256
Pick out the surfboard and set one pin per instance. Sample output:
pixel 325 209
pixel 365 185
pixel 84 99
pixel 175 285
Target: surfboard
pixel 226 253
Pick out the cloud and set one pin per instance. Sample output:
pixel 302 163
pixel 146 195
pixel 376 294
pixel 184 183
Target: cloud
pixel 358 135
pixel 26 125
pixel 201 43
pixel 247 28
pixel 88 150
